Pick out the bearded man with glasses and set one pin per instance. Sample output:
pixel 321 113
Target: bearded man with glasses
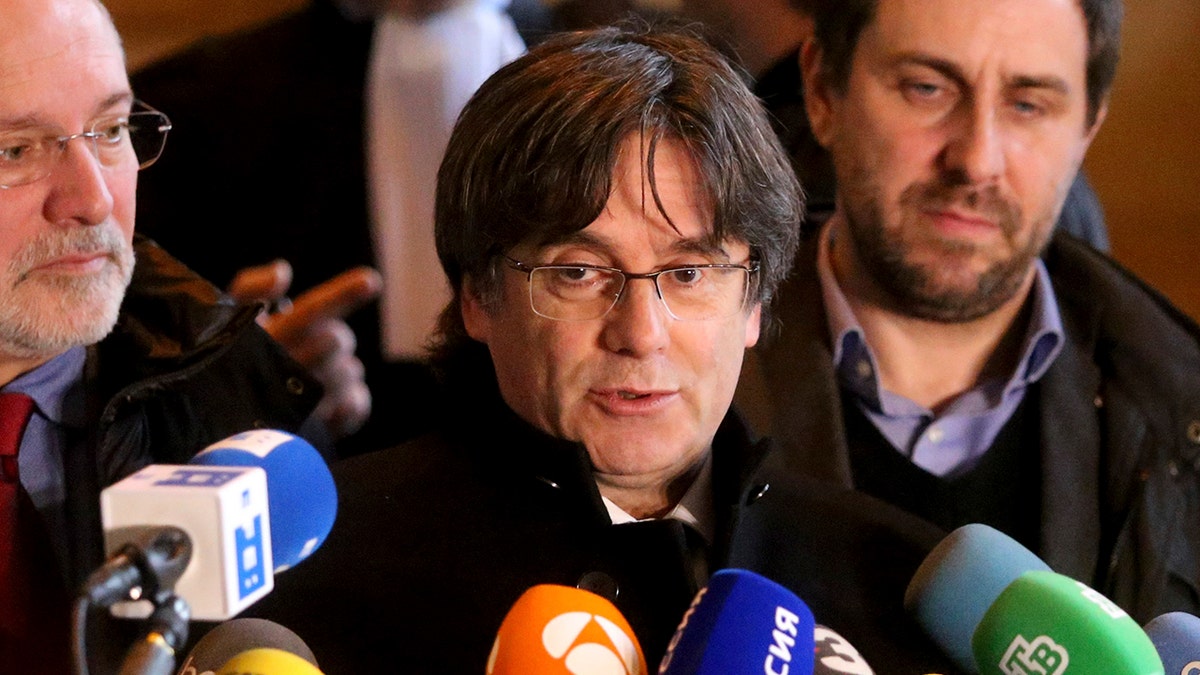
pixel 112 355
pixel 614 214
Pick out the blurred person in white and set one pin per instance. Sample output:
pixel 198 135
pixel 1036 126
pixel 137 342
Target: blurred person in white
pixel 321 159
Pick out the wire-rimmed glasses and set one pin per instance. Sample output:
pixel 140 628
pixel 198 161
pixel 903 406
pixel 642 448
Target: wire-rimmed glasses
pixel 29 155
pixel 585 292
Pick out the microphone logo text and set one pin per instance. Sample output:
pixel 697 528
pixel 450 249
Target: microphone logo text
pixel 783 639
pixel 1042 656
pixel 248 548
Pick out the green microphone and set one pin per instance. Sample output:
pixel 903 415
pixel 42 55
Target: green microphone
pixel 1045 622
pixel 995 608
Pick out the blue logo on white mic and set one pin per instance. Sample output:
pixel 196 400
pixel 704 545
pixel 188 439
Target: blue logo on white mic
pixel 248 545
pixel 198 478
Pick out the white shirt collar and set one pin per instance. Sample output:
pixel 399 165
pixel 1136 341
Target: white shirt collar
pixel 695 508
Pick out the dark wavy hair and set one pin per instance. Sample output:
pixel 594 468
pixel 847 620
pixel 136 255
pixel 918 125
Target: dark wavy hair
pixel 839 23
pixel 532 156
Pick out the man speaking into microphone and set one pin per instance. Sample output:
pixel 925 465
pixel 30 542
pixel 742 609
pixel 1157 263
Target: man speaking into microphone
pixel 614 214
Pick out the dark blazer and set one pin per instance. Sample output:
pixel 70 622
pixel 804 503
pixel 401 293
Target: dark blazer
pixel 1119 424
pixel 266 160
pixel 436 539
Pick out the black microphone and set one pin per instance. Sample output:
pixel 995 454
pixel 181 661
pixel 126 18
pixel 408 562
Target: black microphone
pixel 148 566
pixel 236 636
pixel 167 630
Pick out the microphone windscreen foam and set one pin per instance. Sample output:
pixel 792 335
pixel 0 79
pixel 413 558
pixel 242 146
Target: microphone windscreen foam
pixel 230 638
pixel 1176 637
pixel 742 623
pixel 301 495
pixel 959 580
pixel 559 629
pixel 267 661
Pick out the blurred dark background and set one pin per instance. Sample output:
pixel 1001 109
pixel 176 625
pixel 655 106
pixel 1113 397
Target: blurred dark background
pixel 1143 164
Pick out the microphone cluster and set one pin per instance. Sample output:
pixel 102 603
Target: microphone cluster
pixel 208 538
pixel 740 622
pixel 204 540
pixel 991 605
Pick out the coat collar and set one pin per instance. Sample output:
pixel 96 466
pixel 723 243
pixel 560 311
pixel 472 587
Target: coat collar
pixel 799 401
pixel 527 453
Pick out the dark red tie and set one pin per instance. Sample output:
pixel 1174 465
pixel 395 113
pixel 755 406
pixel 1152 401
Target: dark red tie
pixel 33 610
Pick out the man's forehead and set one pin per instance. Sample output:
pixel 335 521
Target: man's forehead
pixel 1021 39
pixel 57 51
pixel 611 243
pixel 40 31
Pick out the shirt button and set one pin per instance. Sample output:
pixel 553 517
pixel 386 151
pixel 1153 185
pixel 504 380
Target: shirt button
pixel 864 369
pixel 936 435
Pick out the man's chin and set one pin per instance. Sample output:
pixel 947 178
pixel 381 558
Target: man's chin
pixel 74 321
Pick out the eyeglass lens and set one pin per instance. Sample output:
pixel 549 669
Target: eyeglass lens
pixel 690 293
pixel 28 156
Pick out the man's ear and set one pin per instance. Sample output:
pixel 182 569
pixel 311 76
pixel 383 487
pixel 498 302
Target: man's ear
pixel 753 325
pixel 1101 115
pixel 818 97
pixel 475 316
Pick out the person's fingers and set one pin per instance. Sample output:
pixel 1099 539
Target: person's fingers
pixel 334 299
pixel 340 295
pixel 346 404
pixel 321 342
pixel 262 283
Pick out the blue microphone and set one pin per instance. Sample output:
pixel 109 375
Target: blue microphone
pixel 742 623
pixel 1176 636
pixel 301 495
pixel 995 608
pixel 959 580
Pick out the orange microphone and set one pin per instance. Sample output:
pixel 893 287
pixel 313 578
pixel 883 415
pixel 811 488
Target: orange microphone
pixel 559 629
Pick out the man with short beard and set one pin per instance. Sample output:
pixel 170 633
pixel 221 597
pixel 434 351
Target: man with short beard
pixel 927 355
pixel 109 361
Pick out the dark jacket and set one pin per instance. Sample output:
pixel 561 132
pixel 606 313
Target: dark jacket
pixel 436 539
pixel 1119 424
pixel 182 369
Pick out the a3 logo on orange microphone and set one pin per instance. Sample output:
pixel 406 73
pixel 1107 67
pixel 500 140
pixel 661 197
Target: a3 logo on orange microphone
pixel 583 644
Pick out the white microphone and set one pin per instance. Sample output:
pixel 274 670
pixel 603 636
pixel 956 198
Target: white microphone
pixel 223 511
pixel 833 654
pixel 251 505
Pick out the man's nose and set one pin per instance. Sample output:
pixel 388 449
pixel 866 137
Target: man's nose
pixel 80 191
pixel 638 324
pixel 975 147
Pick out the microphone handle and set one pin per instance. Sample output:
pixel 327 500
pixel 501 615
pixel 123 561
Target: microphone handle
pixel 149 656
pixel 155 653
